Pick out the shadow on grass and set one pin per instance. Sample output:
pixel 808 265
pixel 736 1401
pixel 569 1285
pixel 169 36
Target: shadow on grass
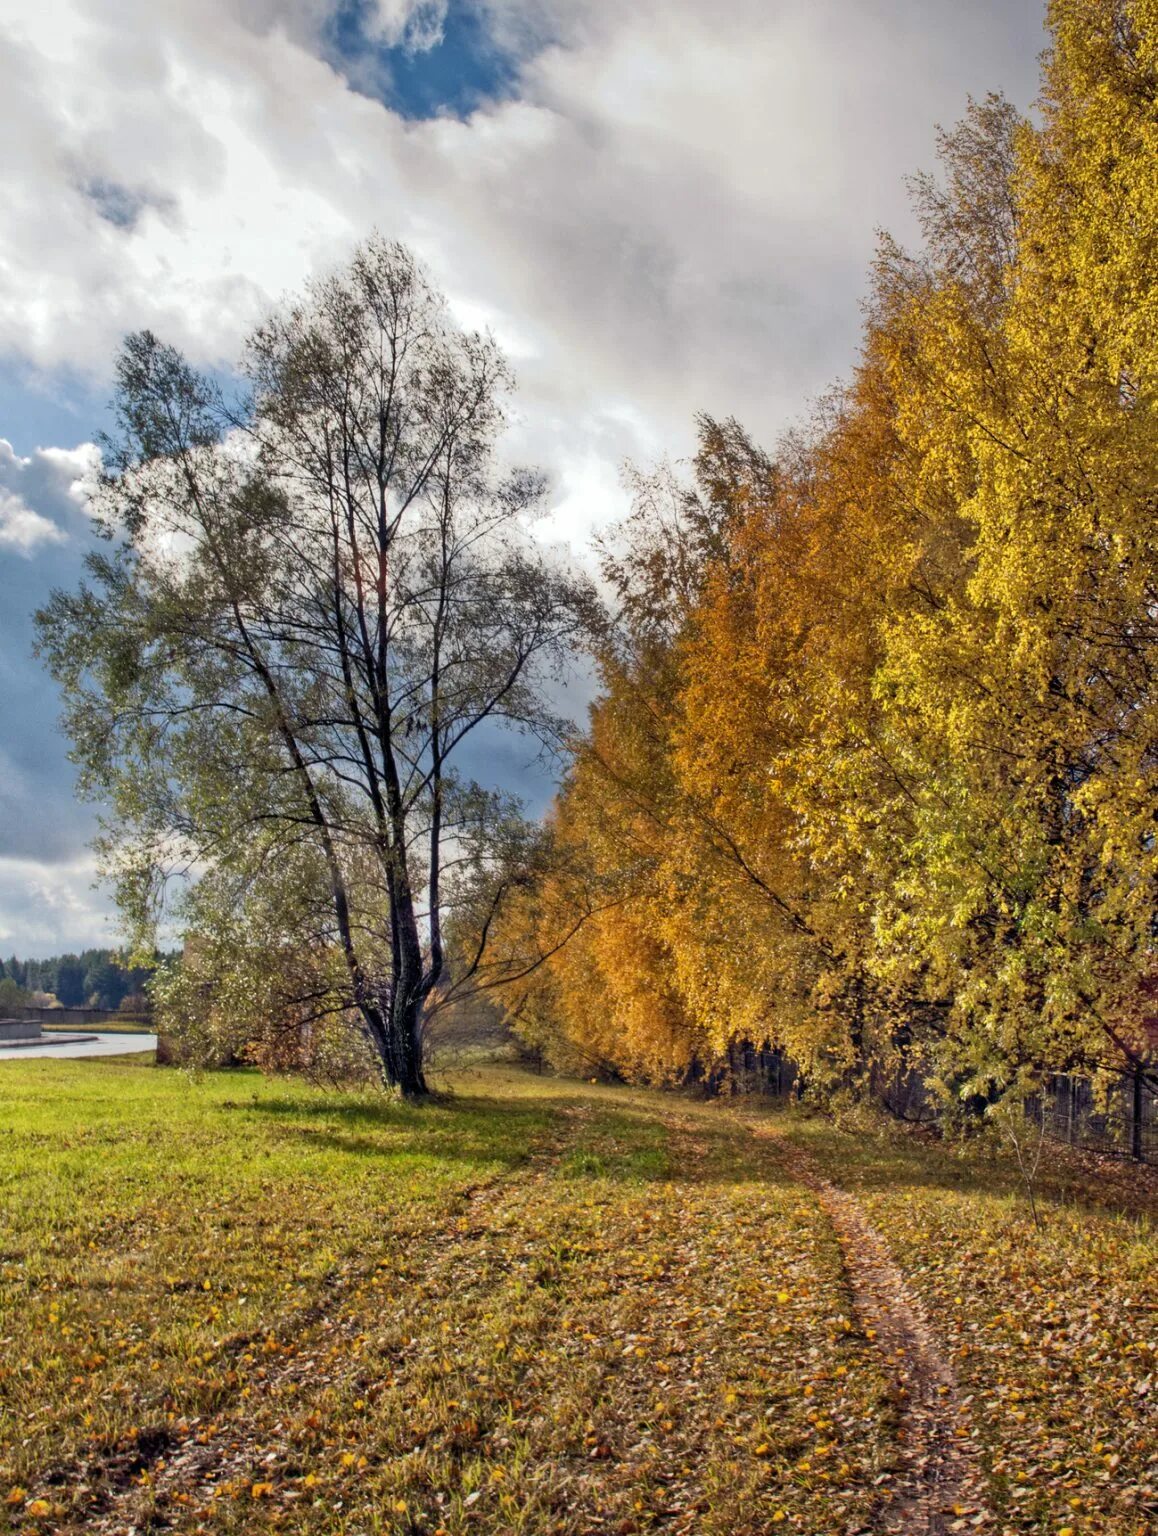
pixel 977 1169
pixel 451 1132
pixel 600 1140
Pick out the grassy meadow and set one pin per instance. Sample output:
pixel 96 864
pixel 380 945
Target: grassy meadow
pixel 241 1304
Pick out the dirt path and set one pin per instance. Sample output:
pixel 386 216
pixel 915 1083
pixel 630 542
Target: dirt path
pixel 598 1344
pixel 616 1372
pixel 937 1488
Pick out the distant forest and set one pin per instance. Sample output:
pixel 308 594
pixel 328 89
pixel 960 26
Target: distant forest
pixel 94 979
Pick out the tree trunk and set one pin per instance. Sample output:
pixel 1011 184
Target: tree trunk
pixel 397 1038
pixel 405 1025
pixel 1073 1110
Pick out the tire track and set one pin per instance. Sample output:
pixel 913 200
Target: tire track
pixel 937 1488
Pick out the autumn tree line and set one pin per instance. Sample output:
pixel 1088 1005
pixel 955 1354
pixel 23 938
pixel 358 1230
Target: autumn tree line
pixel 872 771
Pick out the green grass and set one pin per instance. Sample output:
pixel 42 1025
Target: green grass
pixel 535 1307
pixel 112 1027
pixel 242 1304
pixel 152 1223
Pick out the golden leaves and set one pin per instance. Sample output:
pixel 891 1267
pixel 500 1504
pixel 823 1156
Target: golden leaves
pixel 888 750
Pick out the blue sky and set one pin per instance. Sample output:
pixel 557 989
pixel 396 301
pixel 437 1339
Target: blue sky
pixel 450 62
pixel 658 208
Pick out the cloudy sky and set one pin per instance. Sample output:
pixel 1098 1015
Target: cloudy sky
pixel 658 207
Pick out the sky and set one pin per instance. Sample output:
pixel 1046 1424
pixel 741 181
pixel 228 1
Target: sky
pixel 658 208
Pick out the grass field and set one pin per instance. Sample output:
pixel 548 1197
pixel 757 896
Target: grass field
pixel 539 1306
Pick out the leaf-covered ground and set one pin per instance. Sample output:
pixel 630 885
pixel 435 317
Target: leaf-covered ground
pixel 1052 1332
pixel 238 1304
pixel 242 1305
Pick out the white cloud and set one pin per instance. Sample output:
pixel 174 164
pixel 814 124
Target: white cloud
pixel 23 529
pixel 45 532
pixel 414 24
pixel 45 495
pixel 678 210
pixel 47 909
pixel 676 214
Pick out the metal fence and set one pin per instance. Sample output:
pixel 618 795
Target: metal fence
pixel 93 1018
pixel 1122 1121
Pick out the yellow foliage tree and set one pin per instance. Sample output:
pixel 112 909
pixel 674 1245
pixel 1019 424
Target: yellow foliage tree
pixel 873 772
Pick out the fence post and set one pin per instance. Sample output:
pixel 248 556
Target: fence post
pixel 1136 1117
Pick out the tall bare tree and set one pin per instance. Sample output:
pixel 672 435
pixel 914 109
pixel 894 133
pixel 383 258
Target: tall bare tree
pixel 311 601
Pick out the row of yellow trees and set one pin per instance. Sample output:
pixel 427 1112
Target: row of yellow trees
pixel 873 767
